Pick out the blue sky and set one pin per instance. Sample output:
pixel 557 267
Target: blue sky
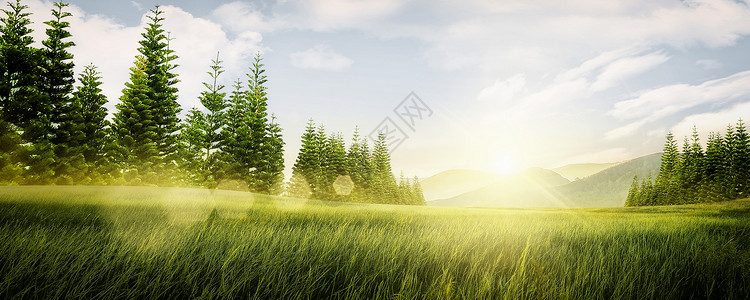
pixel 511 83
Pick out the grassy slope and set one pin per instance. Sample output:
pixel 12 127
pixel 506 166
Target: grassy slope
pixel 580 171
pixel 100 242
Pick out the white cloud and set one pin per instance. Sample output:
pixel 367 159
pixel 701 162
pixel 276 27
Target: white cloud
pixel 668 100
pixel 503 91
pixel 242 16
pixel 656 104
pixel 709 64
pixel 624 131
pixel 712 121
pixel 625 68
pixel 320 57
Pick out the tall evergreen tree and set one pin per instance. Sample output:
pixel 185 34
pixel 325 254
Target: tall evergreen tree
pixel 306 173
pixel 202 131
pixel 265 145
pixel 90 101
pixel 57 87
pixel 161 90
pixel 359 165
pixel 274 167
pixel 384 183
pixel 134 126
pixel 741 160
pixel 236 145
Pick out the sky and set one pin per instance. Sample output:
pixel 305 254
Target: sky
pixel 496 86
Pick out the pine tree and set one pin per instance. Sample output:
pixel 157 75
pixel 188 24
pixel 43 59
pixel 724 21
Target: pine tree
pixel 134 127
pixel 741 160
pixel 236 144
pixel 418 193
pixel 274 167
pixel 20 62
pixel 727 149
pixel 360 168
pixel 306 173
pixel 634 193
pixel 334 166
pixel 713 169
pixel 160 90
pixel 265 146
pixel 201 133
pixel 88 98
pixel 384 183
pixel 57 87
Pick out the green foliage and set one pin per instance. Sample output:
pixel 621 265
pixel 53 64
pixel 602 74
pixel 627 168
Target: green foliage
pixel 201 133
pixel 65 114
pixel 134 127
pixel 157 66
pixel 114 242
pixel 90 101
pixel 694 176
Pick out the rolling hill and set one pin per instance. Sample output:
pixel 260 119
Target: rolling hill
pixel 546 188
pixel 530 188
pixel 451 183
pixel 579 171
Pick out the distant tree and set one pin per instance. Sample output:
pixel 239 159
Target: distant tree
pixel 633 193
pixel 334 163
pixel 741 160
pixel 383 182
pixel 359 165
pixel 306 172
pixel 418 193
pixel 274 167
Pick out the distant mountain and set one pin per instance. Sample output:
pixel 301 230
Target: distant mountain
pixel 579 171
pixel 452 183
pixel 610 186
pixel 546 188
pixel 527 189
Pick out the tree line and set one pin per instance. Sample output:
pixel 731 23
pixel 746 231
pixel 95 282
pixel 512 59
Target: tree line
pixel 721 172
pixel 54 133
pixel 326 170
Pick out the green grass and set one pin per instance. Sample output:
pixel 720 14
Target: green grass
pixel 139 242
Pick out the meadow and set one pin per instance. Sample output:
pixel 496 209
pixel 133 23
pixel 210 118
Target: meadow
pixel 144 242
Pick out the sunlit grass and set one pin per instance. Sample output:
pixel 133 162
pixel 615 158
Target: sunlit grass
pixel 134 242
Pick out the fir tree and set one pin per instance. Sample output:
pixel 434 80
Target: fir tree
pixel 160 89
pixel 384 183
pixel 236 144
pixel 202 132
pixel 273 168
pixel 418 193
pixel 88 98
pixel 306 172
pixel 741 160
pixel 57 86
pixel 360 167
pixel 267 147
pixel 134 126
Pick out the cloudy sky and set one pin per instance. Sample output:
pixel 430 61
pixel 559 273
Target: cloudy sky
pixel 509 83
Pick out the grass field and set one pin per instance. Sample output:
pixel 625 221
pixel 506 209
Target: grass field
pixel 140 242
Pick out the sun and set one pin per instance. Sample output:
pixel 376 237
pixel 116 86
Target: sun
pixel 505 164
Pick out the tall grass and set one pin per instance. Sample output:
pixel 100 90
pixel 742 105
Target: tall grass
pixel 118 243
